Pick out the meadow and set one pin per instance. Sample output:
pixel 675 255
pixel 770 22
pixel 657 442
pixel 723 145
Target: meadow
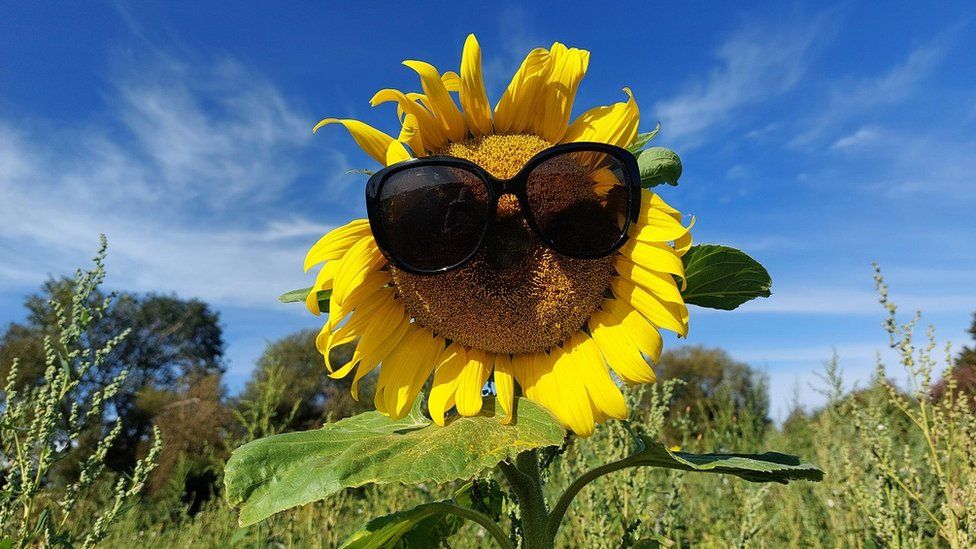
pixel 899 461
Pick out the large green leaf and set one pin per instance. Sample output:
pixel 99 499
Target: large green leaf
pixel 300 294
pixel 765 467
pixel 719 277
pixel 658 165
pixel 283 471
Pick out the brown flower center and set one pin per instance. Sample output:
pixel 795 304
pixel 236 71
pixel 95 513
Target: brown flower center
pixel 517 295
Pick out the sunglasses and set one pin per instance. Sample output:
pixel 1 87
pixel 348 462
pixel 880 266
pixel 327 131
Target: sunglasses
pixel 432 214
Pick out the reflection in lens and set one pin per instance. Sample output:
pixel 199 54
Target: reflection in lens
pixel 433 216
pixel 580 201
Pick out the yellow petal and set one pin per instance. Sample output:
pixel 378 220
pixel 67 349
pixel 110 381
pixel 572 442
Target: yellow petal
pixel 592 370
pixel 654 256
pixel 377 347
pixel 337 242
pixel 662 285
pixel 505 386
pixel 657 312
pixel 658 222
pixel 473 378
pixel 530 371
pixel 430 129
pixel 323 281
pixel 405 370
pixel 474 99
pixel 451 81
pixel 514 112
pixel 372 141
pixel 574 405
pixel 362 294
pixel 364 309
pixel 682 245
pixel 620 352
pixel 642 333
pixel 396 153
pixel 374 321
pixel 615 124
pixel 441 103
pixel 411 135
pixel 555 102
pixel 361 259
pixel 655 201
pixel 447 376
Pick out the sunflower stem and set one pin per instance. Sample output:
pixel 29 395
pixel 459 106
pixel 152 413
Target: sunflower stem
pixel 526 481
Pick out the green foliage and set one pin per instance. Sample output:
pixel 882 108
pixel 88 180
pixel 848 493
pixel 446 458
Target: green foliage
pixel 719 277
pixel 426 525
pixel 643 139
pixel 658 166
pixel 713 391
pixel 35 433
pixel 290 390
pixel 765 467
pixel 275 473
pixel 299 295
pixel 170 344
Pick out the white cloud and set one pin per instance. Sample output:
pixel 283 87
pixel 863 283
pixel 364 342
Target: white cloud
pixel 863 136
pixel 185 176
pixel 754 65
pixel 852 99
pixel 845 301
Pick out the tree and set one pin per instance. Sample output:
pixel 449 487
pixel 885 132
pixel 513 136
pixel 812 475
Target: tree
pixel 963 371
pixel 967 356
pixel 713 383
pixel 194 423
pixel 307 396
pixel 172 342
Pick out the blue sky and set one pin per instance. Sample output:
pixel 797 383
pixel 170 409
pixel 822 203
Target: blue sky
pixel 816 139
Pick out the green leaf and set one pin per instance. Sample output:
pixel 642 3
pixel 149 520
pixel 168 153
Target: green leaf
pixel 425 525
pixel 658 165
pixel 642 139
pixel 719 277
pixel 765 467
pixel 300 294
pixel 276 473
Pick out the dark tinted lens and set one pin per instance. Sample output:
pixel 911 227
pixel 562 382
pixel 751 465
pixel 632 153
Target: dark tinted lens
pixel 433 216
pixel 581 202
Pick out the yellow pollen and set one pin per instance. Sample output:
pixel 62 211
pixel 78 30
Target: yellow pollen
pixel 516 296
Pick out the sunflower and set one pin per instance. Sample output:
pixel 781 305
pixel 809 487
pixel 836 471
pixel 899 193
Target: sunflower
pixel 536 323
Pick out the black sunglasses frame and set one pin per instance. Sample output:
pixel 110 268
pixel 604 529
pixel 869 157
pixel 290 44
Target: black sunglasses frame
pixel 496 189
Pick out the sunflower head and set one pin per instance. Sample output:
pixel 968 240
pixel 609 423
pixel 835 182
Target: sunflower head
pixel 536 322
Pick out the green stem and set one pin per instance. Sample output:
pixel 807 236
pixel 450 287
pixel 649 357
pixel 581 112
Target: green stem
pixel 526 482
pixel 485 522
pixel 556 517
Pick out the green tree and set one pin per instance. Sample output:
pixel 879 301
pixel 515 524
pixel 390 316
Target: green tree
pixel 307 395
pixel 713 383
pixel 963 370
pixel 171 343
pixel 967 356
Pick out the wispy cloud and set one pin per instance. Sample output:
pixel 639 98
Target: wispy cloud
pixel 185 177
pixel 853 99
pixel 753 65
pixel 863 136
pixel 846 301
